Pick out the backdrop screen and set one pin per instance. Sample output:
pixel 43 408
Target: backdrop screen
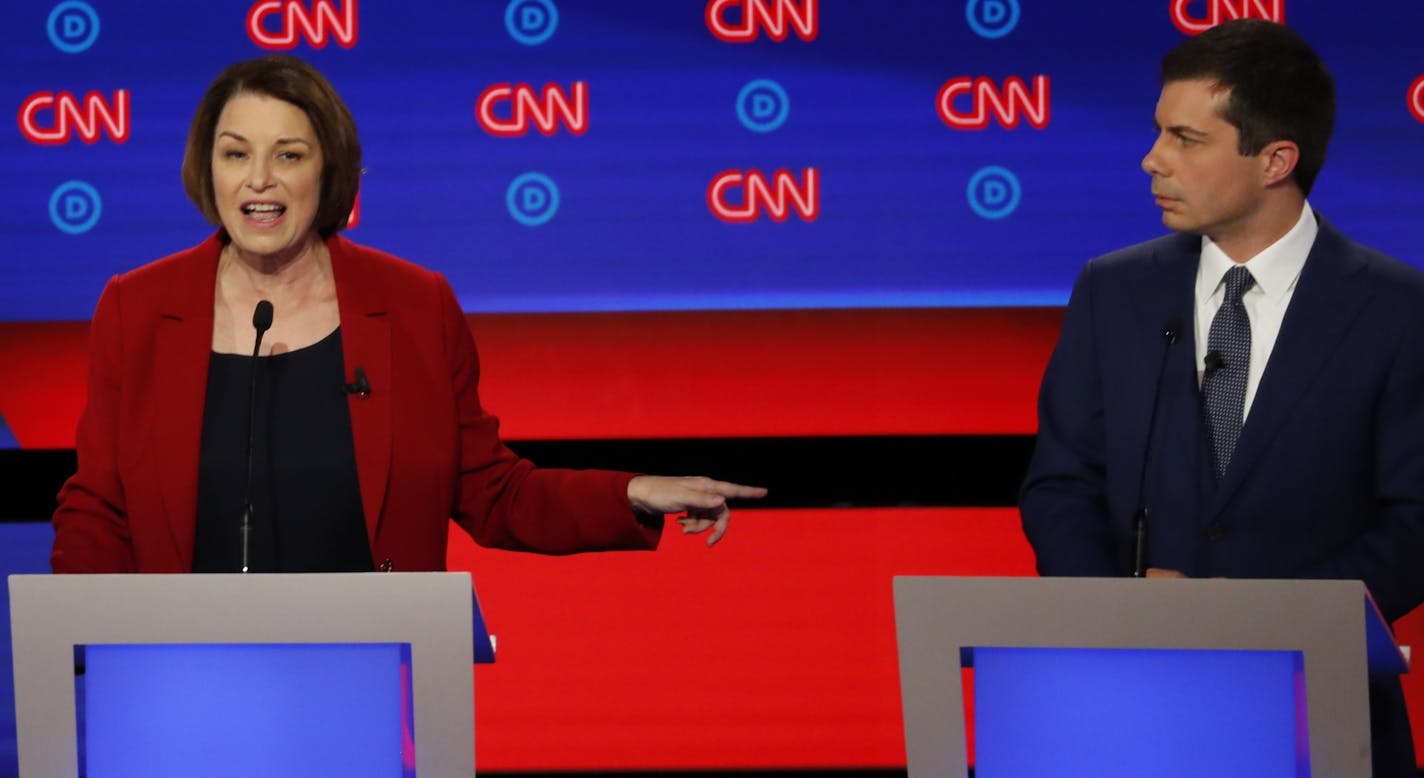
pixel 563 155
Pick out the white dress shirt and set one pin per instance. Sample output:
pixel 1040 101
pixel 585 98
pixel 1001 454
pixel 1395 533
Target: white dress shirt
pixel 1276 270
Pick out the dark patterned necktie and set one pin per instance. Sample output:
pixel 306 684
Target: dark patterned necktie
pixel 1228 357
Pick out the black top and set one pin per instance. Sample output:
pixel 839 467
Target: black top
pixel 306 502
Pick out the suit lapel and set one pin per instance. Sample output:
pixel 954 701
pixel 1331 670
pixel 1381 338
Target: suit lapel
pixel 1327 298
pixel 183 343
pixel 365 343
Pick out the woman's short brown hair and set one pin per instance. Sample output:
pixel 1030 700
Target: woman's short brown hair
pixel 291 80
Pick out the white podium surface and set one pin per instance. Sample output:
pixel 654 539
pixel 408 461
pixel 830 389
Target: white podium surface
pixel 434 613
pixel 941 619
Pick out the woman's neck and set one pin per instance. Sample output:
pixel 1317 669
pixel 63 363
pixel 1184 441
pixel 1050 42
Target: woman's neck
pixel 267 276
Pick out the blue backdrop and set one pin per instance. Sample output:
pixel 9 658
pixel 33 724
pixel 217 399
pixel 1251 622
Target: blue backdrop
pixel 893 219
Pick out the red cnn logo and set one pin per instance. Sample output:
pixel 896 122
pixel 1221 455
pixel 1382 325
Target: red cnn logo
pixel 1218 11
pixel 1416 98
pixel 1008 104
pixel 545 111
pixel 69 115
pixel 776 198
pixel 313 23
pixel 776 17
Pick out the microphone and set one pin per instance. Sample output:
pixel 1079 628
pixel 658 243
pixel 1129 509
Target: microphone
pixel 1171 333
pixel 1213 362
pixel 360 387
pixel 261 321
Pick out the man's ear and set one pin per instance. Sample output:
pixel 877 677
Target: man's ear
pixel 1278 161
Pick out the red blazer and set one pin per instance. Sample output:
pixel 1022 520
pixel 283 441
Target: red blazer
pixel 425 449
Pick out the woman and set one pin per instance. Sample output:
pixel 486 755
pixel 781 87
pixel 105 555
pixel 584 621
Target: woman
pixel 367 433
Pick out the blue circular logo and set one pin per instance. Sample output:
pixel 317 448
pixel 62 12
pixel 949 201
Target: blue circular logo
pixel 73 26
pixel 532 198
pixel 994 192
pixel 531 22
pixel 75 207
pixel 762 105
pixel 992 18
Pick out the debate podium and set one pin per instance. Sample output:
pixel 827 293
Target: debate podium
pixel 1114 676
pixel 264 674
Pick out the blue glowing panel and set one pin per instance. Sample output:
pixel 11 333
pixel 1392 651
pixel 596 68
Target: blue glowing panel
pixel 230 711
pixel 1115 713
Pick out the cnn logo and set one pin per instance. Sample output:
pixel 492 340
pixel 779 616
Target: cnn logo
pixel 510 110
pixel 1218 11
pixel 317 24
pixel 966 103
pixel 776 197
pixel 53 118
pixel 777 18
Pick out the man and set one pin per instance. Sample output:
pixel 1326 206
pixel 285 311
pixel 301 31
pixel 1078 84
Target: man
pixel 1252 383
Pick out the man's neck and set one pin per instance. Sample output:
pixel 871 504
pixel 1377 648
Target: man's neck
pixel 1257 231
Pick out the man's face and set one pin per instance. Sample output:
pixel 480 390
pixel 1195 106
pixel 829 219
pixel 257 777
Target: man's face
pixel 1201 182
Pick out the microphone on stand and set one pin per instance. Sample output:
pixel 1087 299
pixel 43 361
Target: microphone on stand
pixel 261 321
pixel 1171 331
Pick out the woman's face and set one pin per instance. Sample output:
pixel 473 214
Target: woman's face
pixel 267 167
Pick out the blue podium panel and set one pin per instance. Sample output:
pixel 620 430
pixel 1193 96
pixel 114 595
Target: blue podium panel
pixel 279 711
pixel 1104 713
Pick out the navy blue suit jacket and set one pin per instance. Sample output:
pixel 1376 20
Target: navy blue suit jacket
pixel 1327 480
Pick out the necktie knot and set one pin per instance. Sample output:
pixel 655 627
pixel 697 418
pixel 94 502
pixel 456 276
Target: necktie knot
pixel 1238 280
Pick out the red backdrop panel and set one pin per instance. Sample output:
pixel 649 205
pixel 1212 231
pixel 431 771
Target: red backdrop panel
pixel 775 649
pixel 661 375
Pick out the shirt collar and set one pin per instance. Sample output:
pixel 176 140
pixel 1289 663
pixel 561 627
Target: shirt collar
pixel 1276 268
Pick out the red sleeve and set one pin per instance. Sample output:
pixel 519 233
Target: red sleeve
pixel 91 524
pixel 504 501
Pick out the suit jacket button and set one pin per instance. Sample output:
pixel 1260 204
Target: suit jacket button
pixel 385 566
pixel 1215 532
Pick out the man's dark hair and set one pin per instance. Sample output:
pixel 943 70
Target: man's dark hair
pixel 1279 87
